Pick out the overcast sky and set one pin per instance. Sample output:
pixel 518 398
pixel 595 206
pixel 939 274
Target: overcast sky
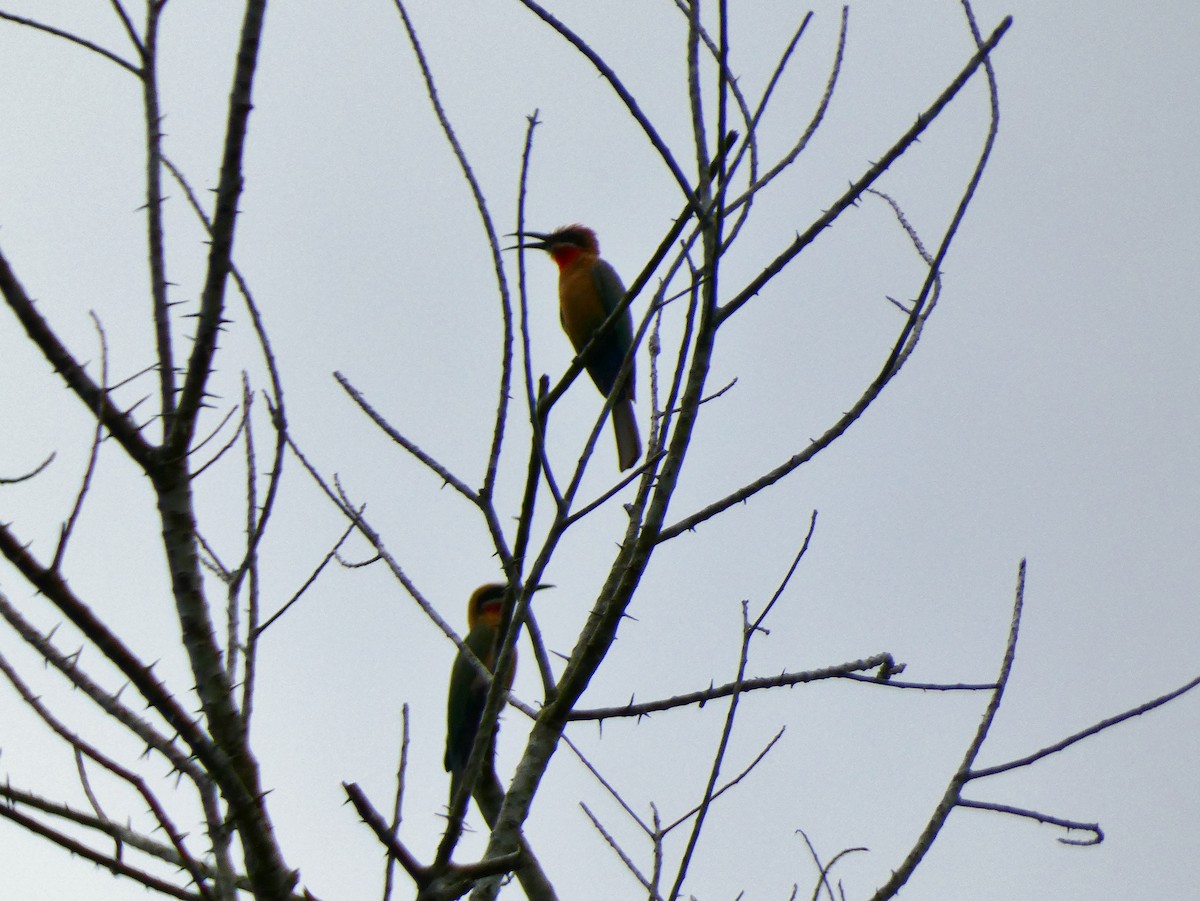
pixel 1050 412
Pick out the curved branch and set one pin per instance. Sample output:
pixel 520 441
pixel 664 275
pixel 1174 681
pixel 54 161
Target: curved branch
pixel 818 116
pixel 33 473
pixel 953 794
pixel 911 329
pixel 74 39
pixel 627 98
pixel 825 869
pixel 924 120
pixel 1094 828
pixel 477 194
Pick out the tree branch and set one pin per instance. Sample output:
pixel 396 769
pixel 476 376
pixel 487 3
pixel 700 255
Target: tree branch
pixel 229 190
pixel 95 398
pixel 73 38
pixel 953 794
pixel 700 698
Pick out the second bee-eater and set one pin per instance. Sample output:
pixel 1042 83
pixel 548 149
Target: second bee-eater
pixel 468 687
pixel 589 289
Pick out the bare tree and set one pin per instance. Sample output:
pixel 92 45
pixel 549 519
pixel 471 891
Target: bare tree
pixel 686 292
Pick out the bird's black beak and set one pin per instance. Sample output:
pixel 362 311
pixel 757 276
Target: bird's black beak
pixel 541 242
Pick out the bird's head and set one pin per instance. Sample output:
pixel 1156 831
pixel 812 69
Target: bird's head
pixel 487 603
pixel 565 244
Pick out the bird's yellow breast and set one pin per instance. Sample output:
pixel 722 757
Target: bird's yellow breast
pixel 579 303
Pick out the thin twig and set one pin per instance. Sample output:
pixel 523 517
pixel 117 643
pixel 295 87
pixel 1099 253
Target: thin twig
pixel 903 344
pixel 1084 733
pixel 627 98
pixel 73 38
pixel 37 470
pixel 822 877
pixel 847 199
pixel 401 768
pixel 749 630
pixel 119 424
pixel 619 851
pixel 128 24
pixel 229 443
pixel 444 474
pixel 156 227
pixel 712 693
pixel 616 795
pixel 679 821
pixel 93 455
pixel 505 382
pixel 818 115
pixel 1094 828
pixel 86 783
pixel 233 642
pixel 312 577
pixel 696 100
pixel 953 793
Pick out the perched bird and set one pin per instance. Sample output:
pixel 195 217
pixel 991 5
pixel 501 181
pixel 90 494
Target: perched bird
pixel 588 291
pixel 468 688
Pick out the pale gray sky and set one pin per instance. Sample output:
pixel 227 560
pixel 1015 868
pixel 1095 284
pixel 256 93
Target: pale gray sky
pixel 1050 412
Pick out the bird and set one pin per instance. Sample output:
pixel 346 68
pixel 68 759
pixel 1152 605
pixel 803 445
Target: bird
pixel 589 289
pixel 468 688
